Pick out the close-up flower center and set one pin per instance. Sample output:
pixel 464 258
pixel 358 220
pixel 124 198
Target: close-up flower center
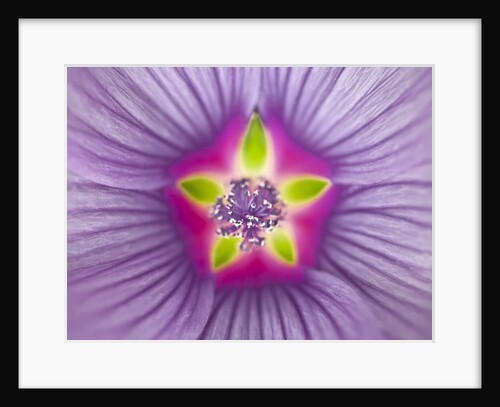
pixel 249 202
pixel 251 210
pixel 252 205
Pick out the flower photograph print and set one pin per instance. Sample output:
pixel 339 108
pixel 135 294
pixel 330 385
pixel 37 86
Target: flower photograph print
pixel 249 203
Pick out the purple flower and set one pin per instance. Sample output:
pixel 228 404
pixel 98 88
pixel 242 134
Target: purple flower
pixel 147 214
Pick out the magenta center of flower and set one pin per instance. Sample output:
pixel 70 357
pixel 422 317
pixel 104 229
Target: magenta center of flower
pixel 251 210
pixel 245 227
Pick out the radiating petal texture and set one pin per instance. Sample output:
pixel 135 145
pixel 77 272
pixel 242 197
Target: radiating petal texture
pixel 379 241
pixel 126 126
pixel 321 307
pixel 375 127
pixel 128 275
pixel 371 123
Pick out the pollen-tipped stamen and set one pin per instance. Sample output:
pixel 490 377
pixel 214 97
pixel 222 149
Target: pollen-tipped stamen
pixel 250 210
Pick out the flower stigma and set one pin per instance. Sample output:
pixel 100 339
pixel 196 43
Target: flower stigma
pixel 251 210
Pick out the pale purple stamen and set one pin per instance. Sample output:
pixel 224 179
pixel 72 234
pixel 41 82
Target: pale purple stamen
pixel 249 211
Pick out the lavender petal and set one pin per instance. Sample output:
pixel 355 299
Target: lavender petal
pixel 322 307
pixel 370 123
pixel 127 125
pixel 379 241
pixel 128 275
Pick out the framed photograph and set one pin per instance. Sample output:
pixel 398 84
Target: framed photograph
pixel 220 218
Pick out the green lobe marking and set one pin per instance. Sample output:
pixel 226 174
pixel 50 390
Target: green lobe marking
pixel 282 246
pixel 254 149
pixel 225 251
pixel 304 189
pixel 202 190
